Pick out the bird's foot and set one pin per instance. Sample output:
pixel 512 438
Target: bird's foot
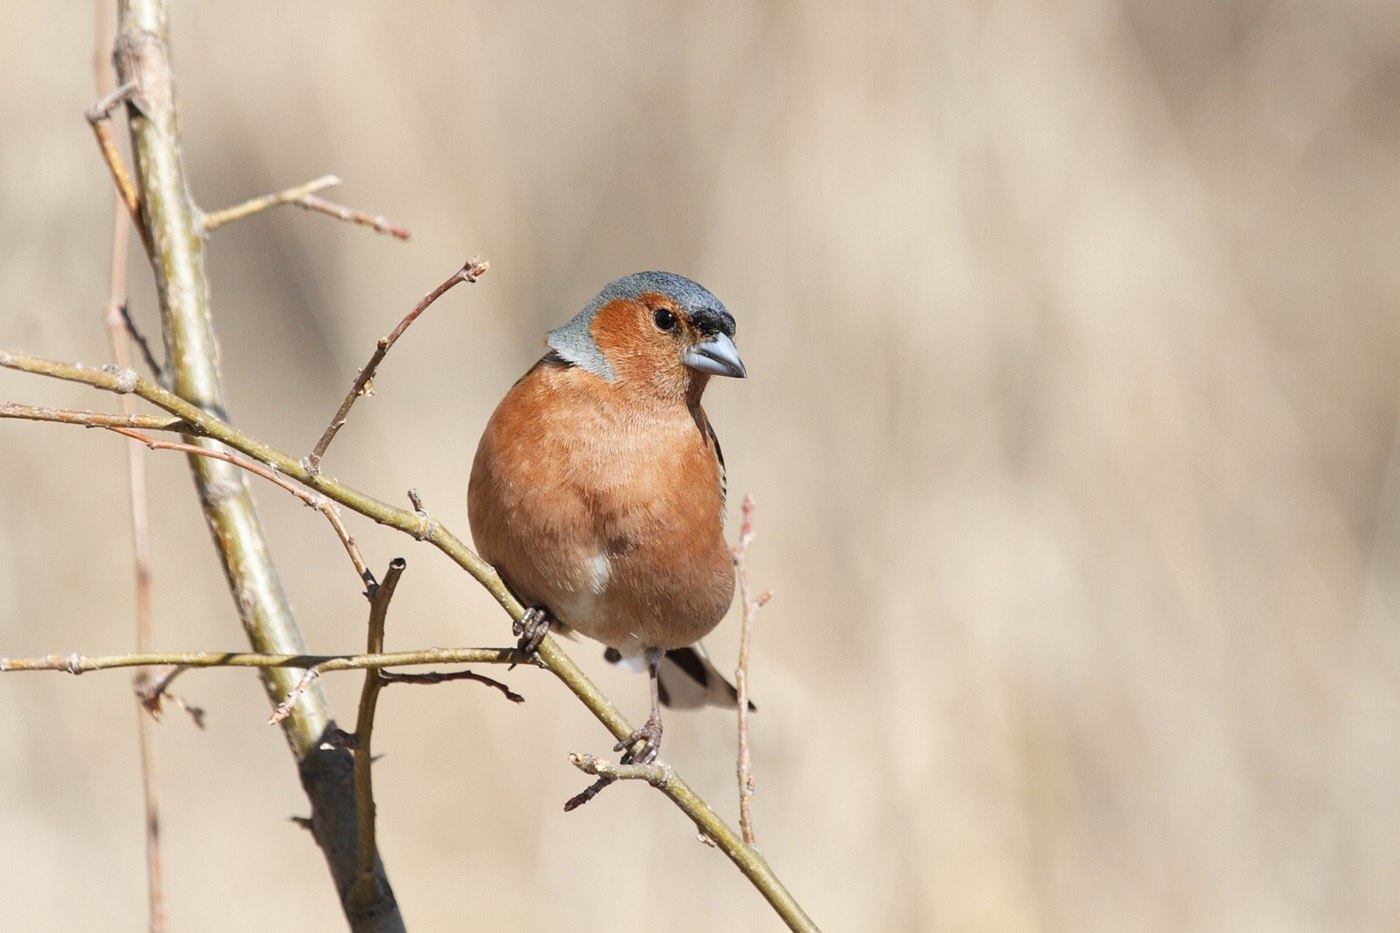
pixel 531 627
pixel 649 737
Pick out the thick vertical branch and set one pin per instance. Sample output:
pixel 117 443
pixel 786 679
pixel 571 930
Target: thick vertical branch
pixel 175 231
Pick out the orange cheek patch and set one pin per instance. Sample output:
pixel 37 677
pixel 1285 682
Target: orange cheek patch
pixel 632 345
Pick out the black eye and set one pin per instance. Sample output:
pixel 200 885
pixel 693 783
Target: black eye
pixel 664 319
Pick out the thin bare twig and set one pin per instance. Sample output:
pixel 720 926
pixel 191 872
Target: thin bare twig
pixel 123 424
pixel 377 222
pixel 751 605
pixel 124 210
pixel 153 694
pixel 289 703
pixel 93 419
pixel 99 117
pixel 364 382
pixel 657 774
pixel 313 500
pixel 442 677
pixel 216 219
pixel 325 663
pixel 139 339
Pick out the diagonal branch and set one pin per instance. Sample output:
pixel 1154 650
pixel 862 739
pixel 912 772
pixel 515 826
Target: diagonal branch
pixel 311 500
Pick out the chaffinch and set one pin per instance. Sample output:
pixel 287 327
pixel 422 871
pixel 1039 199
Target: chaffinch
pixel 598 488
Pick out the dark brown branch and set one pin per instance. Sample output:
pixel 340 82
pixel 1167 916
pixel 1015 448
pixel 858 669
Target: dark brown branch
pixel 364 382
pixel 364 891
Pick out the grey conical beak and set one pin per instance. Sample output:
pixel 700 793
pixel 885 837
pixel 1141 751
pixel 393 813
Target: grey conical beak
pixel 717 356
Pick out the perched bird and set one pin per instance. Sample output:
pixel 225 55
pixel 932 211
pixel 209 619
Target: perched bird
pixel 598 488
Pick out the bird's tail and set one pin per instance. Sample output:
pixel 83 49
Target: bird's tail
pixel 688 680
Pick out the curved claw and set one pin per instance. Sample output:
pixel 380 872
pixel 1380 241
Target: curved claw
pixel 531 627
pixel 649 735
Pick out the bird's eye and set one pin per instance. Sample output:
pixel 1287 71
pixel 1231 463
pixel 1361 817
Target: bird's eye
pixel 664 319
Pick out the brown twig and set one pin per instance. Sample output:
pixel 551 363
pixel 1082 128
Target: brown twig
pixel 289 703
pixel 216 219
pixel 751 605
pixel 376 222
pixel 363 891
pixel 152 695
pixel 442 677
pixel 657 774
pixel 99 118
pixel 364 382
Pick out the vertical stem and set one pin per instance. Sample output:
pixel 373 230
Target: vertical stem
pixel 176 234
pixel 117 340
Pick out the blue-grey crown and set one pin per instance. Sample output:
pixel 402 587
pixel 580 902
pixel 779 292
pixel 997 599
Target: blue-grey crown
pixel 574 341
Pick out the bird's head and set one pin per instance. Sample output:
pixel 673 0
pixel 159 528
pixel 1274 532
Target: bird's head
pixel 655 332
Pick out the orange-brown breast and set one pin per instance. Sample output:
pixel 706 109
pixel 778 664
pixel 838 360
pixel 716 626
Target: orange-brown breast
pixel 605 506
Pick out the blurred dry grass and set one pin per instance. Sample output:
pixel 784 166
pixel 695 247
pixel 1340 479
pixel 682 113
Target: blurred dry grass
pixel 1073 340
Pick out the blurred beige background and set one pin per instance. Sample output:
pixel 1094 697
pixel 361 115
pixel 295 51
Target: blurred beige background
pixel 1072 332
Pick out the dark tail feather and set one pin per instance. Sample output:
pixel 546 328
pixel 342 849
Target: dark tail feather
pixel 688 680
